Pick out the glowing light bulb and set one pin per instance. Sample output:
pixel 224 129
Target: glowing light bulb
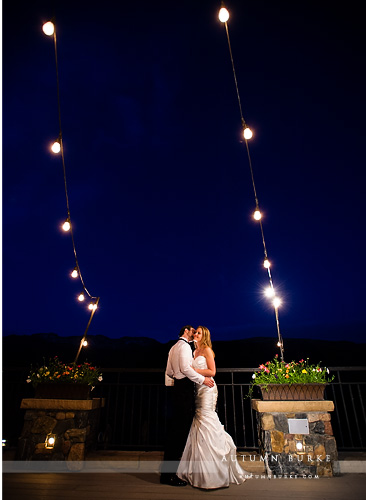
pixel 81 297
pixel 299 445
pixel 74 273
pixel 276 302
pixel 257 215
pixel 279 344
pixel 51 441
pixel 223 15
pixel 266 263
pixel 66 225
pixel 48 28
pixel 56 147
pixel 269 292
pixel 92 306
pixel 85 343
pixel 248 134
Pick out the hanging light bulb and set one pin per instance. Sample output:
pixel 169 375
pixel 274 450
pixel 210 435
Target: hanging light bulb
pixel 266 263
pixel 74 273
pixel 92 306
pixel 223 15
pixel 276 302
pixel 269 292
pixel 48 28
pixel 56 147
pixel 66 225
pixel 85 343
pixel 81 297
pixel 257 215
pixel 248 134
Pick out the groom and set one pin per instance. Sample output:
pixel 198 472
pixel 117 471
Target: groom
pixel 180 376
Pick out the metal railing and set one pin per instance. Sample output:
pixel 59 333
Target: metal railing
pixel 135 412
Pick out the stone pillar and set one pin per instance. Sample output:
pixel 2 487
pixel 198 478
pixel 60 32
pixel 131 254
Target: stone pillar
pixel 74 423
pixel 296 437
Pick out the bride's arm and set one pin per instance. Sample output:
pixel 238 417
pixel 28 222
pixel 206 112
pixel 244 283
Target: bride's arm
pixel 210 371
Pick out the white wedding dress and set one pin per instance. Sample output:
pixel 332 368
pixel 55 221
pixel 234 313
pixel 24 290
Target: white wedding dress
pixel 209 457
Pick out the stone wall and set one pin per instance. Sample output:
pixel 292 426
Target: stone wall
pixel 318 456
pixel 74 423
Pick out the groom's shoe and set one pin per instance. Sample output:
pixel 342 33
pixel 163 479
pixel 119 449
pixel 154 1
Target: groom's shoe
pixel 172 480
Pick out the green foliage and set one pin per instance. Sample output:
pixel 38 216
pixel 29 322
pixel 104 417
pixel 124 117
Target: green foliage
pixel 55 372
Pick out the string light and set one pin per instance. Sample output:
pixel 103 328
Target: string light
pixel 66 226
pixel 257 215
pixel 269 292
pixel 266 263
pixel 48 28
pixel 85 343
pixel 92 306
pixel 223 15
pixel 56 147
pixel 248 134
pixel 276 302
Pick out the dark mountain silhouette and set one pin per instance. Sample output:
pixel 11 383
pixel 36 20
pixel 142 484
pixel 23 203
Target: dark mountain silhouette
pixel 143 352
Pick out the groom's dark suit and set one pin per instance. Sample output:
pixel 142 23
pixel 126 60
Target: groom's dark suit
pixel 180 403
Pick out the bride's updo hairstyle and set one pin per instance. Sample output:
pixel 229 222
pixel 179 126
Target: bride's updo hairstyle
pixel 206 337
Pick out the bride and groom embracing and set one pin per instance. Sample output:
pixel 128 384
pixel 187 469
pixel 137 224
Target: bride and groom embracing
pixel 207 458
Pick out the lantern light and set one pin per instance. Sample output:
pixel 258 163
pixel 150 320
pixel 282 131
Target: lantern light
pixel 48 28
pixel 56 147
pixel 81 297
pixel 223 15
pixel 248 134
pixel 50 441
pixel 74 273
pixel 257 215
pixel 66 225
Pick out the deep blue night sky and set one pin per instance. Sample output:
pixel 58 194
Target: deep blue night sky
pixel 158 178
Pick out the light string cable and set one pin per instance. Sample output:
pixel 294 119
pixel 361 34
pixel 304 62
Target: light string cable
pixel 93 306
pixel 224 16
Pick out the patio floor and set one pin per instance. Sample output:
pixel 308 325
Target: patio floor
pixel 134 475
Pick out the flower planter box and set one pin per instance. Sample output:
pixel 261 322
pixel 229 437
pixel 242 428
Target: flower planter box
pixel 292 392
pixel 62 391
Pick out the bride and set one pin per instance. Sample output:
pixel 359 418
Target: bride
pixel 209 457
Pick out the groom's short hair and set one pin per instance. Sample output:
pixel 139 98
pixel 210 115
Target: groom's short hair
pixel 182 330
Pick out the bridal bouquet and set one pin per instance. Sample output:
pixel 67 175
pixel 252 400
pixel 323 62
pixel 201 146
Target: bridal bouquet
pixel 56 372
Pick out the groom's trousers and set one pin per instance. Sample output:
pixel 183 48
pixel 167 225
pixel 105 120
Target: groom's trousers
pixel 179 420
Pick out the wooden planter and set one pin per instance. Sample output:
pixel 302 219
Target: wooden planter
pixel 62 391
pixel 293 392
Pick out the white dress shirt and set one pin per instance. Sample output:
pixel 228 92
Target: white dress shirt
pixel 179 364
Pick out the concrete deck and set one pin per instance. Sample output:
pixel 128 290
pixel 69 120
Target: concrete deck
pixel 134 475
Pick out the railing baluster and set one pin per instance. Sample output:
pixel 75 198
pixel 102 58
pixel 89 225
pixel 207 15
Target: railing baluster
pixel 131 421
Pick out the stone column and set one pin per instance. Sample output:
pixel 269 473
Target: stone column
pixel 74 423
pixel 310 451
